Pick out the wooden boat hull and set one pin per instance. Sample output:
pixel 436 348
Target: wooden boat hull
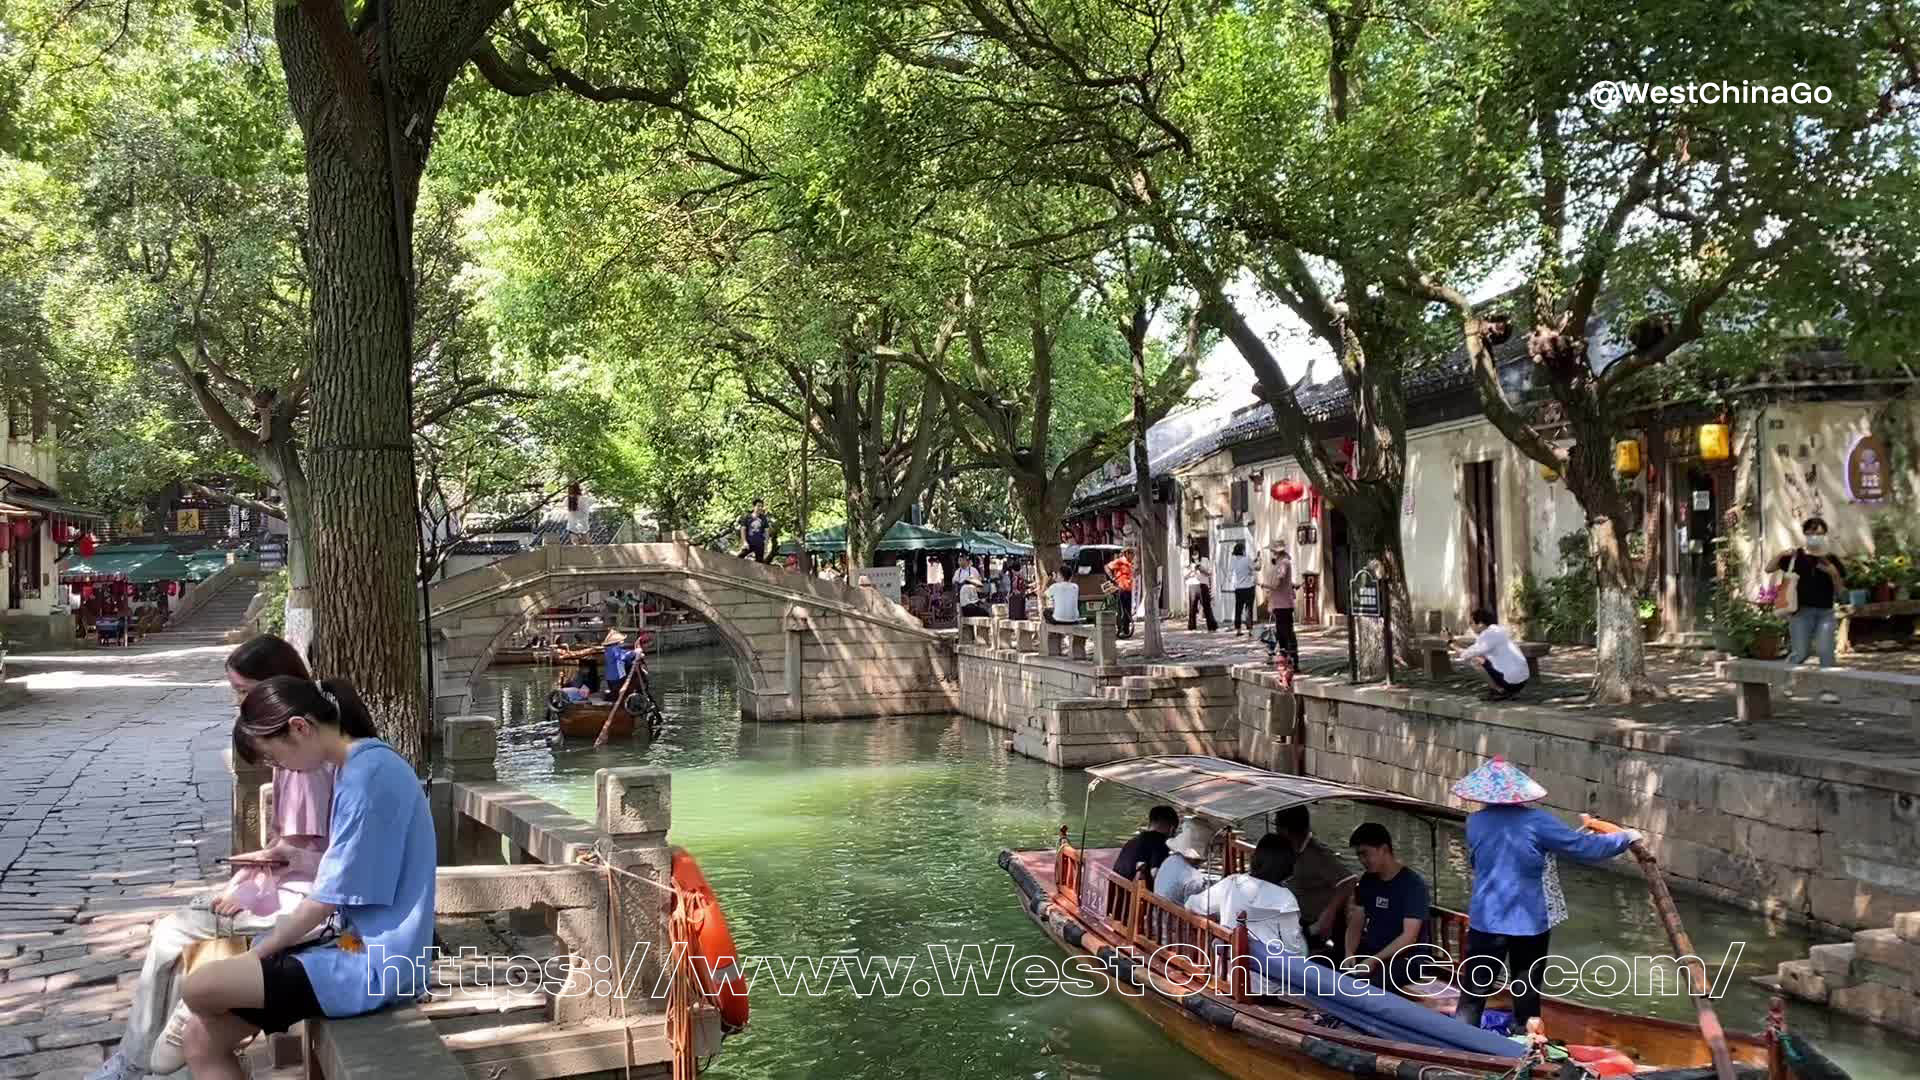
pixel 522 657
pixel 585 721
pixel 1272 1042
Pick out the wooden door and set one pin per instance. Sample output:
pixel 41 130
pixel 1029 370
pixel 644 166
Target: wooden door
pixel 1479 509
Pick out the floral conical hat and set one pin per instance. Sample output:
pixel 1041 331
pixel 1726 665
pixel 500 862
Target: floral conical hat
pixel 1499 784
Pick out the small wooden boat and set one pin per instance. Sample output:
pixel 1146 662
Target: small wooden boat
pixel 522 655
pixel 585 719
pixel 1192 976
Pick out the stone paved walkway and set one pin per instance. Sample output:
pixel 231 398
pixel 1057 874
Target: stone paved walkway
pixel 113 804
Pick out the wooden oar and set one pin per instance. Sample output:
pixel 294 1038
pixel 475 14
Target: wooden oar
pixel 1710 1028
pixel 601 739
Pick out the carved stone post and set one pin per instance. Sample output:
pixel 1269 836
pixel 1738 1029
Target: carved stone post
pixel 634 807
pixel 468 745
pixel 249 818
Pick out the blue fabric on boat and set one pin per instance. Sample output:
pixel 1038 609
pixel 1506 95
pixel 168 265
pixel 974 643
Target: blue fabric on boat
pixel 1376 1011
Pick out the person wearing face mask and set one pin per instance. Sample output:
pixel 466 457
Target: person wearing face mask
pixel 1820 577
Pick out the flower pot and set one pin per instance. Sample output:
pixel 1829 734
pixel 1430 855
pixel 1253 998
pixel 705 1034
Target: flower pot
pixel 1882 594
pixel 1766 646
pixel 1856 597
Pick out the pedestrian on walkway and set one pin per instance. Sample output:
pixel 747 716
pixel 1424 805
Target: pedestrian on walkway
pixel 250 902
pixel 1120 573
pixel 1818 578
pixel 1240 580
pixel 1517 900
pixel 375 883
pixel 756 530
pixel 1277 579
pixel 1200 590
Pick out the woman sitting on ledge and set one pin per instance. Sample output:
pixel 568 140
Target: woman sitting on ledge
pixel 249 904
pixel 373 890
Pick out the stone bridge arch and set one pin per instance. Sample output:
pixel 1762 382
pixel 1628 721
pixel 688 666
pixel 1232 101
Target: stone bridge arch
pixel 803 649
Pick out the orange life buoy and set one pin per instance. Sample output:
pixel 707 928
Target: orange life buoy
pixel 718 965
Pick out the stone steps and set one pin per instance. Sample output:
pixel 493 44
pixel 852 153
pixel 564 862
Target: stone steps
pixel 1875 977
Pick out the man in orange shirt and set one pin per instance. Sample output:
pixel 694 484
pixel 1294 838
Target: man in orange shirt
pixel 1120 572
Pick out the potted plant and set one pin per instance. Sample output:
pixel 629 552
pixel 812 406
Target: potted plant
pixel 1863 578
pixel 1764 626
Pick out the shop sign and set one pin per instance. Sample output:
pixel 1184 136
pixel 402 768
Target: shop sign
pixel 1867 470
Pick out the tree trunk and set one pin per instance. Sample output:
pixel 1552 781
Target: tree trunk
pixel 297 499
pixel 1620 662
pixel 1373 524
pixel 1151 531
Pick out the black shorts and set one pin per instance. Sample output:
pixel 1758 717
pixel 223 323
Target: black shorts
pixel 286 992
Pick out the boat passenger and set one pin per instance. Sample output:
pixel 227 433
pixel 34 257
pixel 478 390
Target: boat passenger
pixel 1516 887
pixel 1387 921
pixel 1273 914
pixel 585 677
pixel 1318 878
pixel 1148 847
pixel 375 883
pixel 1181 875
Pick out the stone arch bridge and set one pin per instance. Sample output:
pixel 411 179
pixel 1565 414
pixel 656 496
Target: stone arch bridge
pixel 803 649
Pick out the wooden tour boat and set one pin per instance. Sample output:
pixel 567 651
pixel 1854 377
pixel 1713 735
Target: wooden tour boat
pixel 583 720
pixel 1191 975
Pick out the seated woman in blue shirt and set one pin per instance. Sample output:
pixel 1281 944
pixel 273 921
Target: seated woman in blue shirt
pixel 374 887
pixel 1516 890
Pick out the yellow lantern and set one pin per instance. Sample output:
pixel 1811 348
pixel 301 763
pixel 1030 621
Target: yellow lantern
pixel 1716 442
pixel 1626 457
pixel 1549 473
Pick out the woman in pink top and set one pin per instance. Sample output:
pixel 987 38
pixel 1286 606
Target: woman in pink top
pixel 252 899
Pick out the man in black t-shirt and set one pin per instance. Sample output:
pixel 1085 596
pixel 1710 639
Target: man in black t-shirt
pixel 756 529
pixel 1148 848
pixel 1821 578
pixel 1387 923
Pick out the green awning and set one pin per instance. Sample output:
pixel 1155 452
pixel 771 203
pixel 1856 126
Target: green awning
pixel 205 563
pixel 140 564
pixel 902 537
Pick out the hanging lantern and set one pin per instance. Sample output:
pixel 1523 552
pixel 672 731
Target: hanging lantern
pixel 86 546
pixel 1626 457
pixel 1716 442
pixel 1549 473
pixel 1289 491
pixel 22 528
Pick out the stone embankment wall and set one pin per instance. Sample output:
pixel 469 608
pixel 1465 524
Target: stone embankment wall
pixel 1075 714
pixel 1876 976
pixel 1828 844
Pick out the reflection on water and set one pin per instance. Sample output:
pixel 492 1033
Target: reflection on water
pixel 878 838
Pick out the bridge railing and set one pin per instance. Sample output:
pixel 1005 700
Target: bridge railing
pixel 1095 641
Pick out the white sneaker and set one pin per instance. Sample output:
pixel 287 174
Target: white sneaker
pixel 117 1067
pixel 169 1050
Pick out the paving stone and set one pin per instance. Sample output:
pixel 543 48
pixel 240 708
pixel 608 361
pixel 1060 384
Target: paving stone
pixel 72 1057
pixel 100 1032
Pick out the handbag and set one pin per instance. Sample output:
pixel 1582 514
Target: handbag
pixel 201 953
pixel 1786 595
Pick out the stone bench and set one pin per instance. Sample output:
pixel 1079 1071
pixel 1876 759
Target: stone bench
pixel 398 1041
pixel 1094 640
pixel 1436 655
pixel 1879 692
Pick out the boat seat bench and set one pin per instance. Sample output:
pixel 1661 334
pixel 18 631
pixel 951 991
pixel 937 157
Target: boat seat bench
pixel 1436 654
pixel 397 1041
pixel 1880 692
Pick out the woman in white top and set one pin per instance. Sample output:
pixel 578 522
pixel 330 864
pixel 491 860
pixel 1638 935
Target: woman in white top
pixel 1495 654
pixel 1200 591
pixel 1180 875
pixel 1240 580
pixel 1273 914
pixel 1063 597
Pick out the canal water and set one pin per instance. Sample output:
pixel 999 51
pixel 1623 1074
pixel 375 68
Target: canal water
pixel 877 839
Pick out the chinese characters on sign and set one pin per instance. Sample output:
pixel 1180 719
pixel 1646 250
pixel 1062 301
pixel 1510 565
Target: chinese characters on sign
pixel 1867 470
pixel 1366 594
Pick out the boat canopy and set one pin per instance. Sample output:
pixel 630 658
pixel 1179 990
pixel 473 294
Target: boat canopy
pixel 1229 791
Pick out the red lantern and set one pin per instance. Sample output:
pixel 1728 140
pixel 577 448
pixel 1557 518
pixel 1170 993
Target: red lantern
pixel 1289 491
pixel 6 537
pixel 22 528
pixel 86 592
pixel 86 546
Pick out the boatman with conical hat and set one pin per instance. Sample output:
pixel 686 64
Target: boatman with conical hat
pixel 1516 890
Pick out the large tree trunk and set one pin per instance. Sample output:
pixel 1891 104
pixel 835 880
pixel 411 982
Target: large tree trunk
pixel 1620 663
pixel 1373 523
pixel 1152 530
pixel 364 520
pixel 297 502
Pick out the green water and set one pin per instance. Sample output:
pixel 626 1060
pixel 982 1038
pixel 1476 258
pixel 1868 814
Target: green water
pixel 879 838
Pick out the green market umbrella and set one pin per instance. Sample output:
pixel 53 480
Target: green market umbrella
pixel 902 537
